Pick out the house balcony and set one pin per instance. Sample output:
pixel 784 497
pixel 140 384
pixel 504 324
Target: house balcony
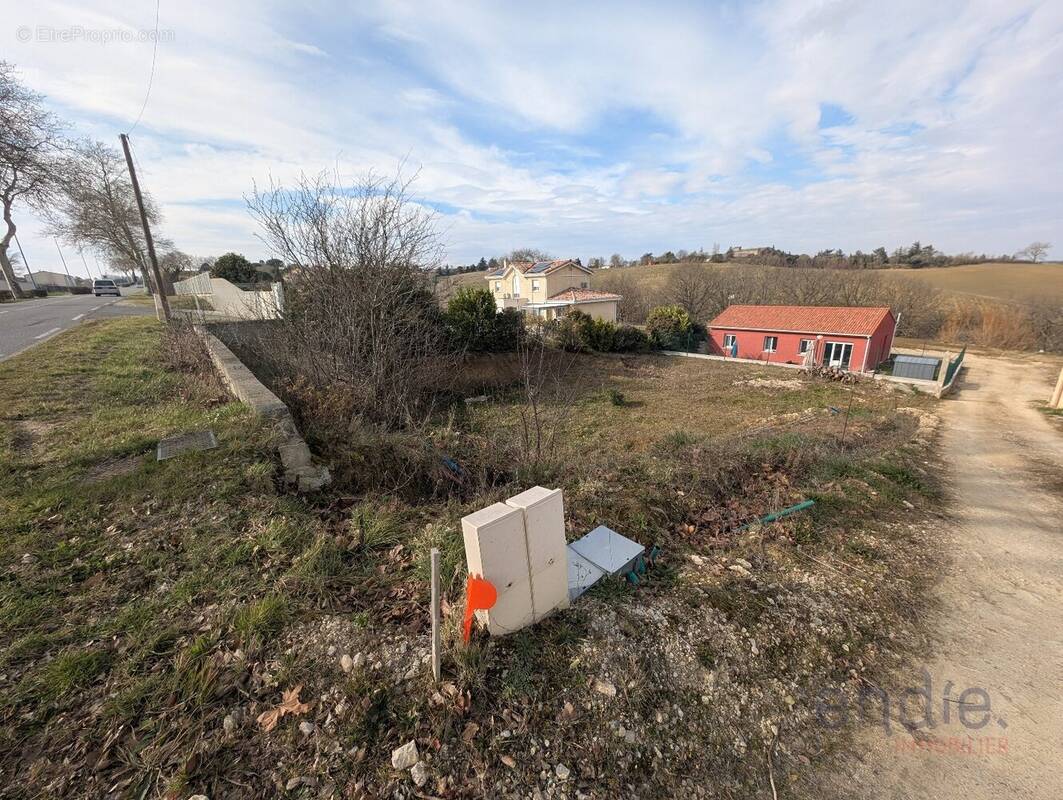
pixel 510 301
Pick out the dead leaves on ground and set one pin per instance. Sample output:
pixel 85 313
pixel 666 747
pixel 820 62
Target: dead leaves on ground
pixel 289 705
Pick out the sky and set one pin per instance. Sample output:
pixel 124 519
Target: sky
pixel 582 129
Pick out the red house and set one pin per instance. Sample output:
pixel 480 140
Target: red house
pixel 849 337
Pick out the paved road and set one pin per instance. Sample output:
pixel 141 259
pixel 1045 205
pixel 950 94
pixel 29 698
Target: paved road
pixel 30 322
pixel 1000 629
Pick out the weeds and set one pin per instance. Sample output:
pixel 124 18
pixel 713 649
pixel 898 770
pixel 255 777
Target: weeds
pixel 189 592
pixel 256 621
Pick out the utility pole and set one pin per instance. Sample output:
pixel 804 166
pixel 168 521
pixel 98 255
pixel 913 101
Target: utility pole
pixel 86 263
pixel 26 264
pixel 160 291
pixel 65 269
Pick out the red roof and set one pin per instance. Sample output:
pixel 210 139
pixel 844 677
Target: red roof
pixel 844 320
pixel 582 296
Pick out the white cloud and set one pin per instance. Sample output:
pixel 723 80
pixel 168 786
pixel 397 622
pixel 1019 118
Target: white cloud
pixel 589 128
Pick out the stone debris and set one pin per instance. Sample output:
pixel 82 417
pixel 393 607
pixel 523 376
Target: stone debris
pixel 419 773
pixel 406 756
pixel 562 772
pixel 771 383
pixel 605 687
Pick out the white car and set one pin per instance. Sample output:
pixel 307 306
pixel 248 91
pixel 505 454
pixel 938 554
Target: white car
pixel 105 286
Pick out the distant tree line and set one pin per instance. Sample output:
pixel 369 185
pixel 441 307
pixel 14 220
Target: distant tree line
pixel 915 256
pixel 924 312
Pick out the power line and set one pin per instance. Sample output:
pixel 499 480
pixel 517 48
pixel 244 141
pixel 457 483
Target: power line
pixel 151 76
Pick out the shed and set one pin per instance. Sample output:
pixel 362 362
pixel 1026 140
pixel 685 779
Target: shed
pixel 923 368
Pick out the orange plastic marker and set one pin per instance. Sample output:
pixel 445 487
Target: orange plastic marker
pixel 480 595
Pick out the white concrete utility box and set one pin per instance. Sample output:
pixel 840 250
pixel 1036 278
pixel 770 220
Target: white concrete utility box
pixel 544 528
pixel 608 550
pixel 519 546
pixel 495 550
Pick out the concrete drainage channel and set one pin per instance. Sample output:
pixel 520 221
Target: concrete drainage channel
pixel 299 468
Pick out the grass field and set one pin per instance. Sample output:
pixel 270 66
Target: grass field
pixel 150 612
pixel 998 281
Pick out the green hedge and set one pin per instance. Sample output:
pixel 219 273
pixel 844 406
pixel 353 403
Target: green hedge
pixel 474 324
pixel 671 328
pixel 578 332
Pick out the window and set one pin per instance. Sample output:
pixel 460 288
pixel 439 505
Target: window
pixel 583 285
pixel 516 285
pixel 771 344
pixel 535 286
pixel 498 286
pixel 729 341
pixel 804 347
pixel 837 354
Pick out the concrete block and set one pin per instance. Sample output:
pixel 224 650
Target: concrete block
pixel 582 574
pixel 608 550
pixel 544 527
pixel 496 549
pixel 294 454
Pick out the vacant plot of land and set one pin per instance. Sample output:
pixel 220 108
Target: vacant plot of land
pixel 181 627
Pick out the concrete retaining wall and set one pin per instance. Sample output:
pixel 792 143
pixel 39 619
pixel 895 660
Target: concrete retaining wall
pixel 229 301
pixel 299 468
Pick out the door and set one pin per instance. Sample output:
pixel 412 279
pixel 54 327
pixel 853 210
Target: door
pixel 837 354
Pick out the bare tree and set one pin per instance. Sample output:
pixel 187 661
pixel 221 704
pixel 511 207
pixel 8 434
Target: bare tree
pixel 529 254
pixel 634 303
pixel 360 317
pixel 691 287
pixel 1034 251
pixel 96 208
pixel 616 261
pixel 30 141
pixel 174 262
pixel 704 291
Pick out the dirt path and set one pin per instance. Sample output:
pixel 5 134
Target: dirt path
pixel 1001 627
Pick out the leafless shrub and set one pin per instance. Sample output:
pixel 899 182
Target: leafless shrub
pixel 547 399
pixel 360 317
pixel 989 324
pixel 1046 322
pixel 183 351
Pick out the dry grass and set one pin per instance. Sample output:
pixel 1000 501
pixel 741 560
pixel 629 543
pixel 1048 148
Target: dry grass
pixel 997 281
pixel 153 611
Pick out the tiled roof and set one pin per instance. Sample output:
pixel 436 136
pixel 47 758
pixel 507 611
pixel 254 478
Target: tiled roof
pixel 845 320
pixel 581 296
pixel 538 268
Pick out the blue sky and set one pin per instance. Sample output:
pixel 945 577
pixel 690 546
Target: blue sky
pixel 583 129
